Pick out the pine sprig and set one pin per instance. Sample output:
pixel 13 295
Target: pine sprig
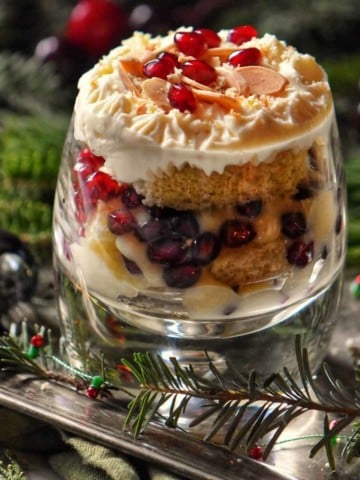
pixel 278 401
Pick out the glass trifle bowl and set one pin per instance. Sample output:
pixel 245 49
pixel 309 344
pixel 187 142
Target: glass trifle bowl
pixel 200 203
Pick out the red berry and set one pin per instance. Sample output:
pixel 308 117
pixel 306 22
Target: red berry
pixel 235 233
pixel 300 253
pixel 182 276
pixel 181 97
pixel 120 222
pixel 158 68
pixel 96 25
pixel 191 43
pixel 241 34
pixel 153 229
pixel 131 266
pixel 37 341
pixel 211 37
pixel 199 71
pixel 244 57
pixel 184 224
pixel 169 58
pixel 256 452
pixel 92 392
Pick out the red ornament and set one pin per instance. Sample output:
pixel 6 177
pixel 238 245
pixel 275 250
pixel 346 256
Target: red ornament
pixel 96 25
pixel 37 341
pixel 92 392
pixel 256 452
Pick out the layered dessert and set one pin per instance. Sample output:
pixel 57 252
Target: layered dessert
pixel 203 170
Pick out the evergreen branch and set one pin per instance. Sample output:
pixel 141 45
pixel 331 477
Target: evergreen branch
pixel 278 401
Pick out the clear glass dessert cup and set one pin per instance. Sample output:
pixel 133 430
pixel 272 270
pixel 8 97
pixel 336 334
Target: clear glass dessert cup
pixel 237 280
pixel 200 204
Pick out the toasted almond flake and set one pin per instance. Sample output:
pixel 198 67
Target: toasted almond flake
pixel 132 66
pixel 128 84
pixel 157 90
pixel 195 84
pixel 262 80
pixel 233 79
pixel 222 51
pixel 215 97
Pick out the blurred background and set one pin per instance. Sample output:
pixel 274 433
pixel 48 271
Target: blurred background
pixel 46 45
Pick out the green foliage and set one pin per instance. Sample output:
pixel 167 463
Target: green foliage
pixel 11 470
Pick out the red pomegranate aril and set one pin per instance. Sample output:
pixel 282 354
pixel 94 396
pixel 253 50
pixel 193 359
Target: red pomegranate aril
pixel 184 224
pixel 131 266
pixel 199 71
pixel 166 250
pixel 86 164
pixel 153 229
pixel 245 57
pixel 300 253
pixel 205 248
pixel 182 276
pixel 241 34
pixel 169 58
pixel 235 233
pixel 250 209
pixel 130 198
pixel 181 97
pixel 293 224
pixel 256 452
pixel 100 186
pixel 158 68
pixel 120 222
pixel 191 43
pixel 211 37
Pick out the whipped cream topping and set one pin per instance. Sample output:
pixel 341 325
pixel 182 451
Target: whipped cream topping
pixel 138 137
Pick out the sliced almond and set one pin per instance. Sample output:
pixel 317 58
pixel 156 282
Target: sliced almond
pixel 132 66
pixel 211 96
pixel 157 90
pixel 261 80
pixel 233 79
pixel 195 84
pixel 127 82
pixel 221 51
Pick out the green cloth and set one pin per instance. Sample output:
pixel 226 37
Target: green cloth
pixel 72 457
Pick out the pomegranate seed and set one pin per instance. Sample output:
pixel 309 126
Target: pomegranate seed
pixel 181 97
pixel 235 233
pixel 166 250
pixel 161 212
pixel 241 34
pixel 300 253
pixel 81 212
pixel 158 68
pixel 169 58
pixel 199 71
pixel 153 229
pixel 250 209
pixel 302 192
pixel 182 276
pixel 120 222
pixel 184 224
pixel 205 248
pixel 131 266
pixel 100 186
pixel 87 163
pixel 211 37
pixel 244 57
pixel 256 452
pixel 293 224
pixel 191 43
pixel 130 197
